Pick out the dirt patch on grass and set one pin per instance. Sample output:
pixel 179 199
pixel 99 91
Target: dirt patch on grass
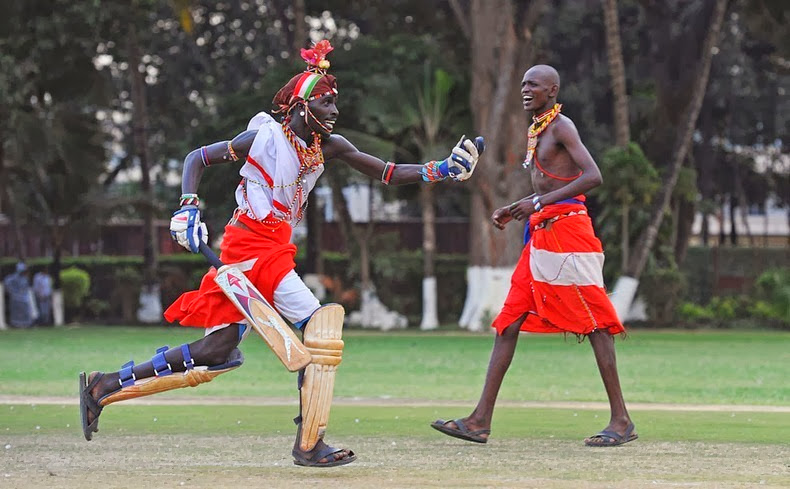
pixel 67 461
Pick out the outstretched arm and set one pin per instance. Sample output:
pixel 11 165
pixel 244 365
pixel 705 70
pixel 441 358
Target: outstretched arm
pixel 341 149
pixel 460 164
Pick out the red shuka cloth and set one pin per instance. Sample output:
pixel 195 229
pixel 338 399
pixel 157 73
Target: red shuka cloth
pixel 570 301
pixel 274 258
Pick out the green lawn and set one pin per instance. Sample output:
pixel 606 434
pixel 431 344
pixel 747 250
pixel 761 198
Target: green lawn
pixel 395 421
pixel 228 444
pixel 701 367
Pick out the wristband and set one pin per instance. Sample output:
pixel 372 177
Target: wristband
pixel 386 175
pixel 433 171
pixel 536 202
pixel 189 199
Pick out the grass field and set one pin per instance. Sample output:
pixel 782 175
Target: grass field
pixel 719 414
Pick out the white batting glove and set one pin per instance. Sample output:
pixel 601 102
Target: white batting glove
pixel 463 161
pixel 187 230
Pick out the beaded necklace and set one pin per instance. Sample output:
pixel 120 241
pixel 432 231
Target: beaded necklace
pixel 310 159
pixel 539 124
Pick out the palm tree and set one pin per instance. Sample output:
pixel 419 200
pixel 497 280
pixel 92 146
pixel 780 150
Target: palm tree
pixel 430 119
pixel 614 52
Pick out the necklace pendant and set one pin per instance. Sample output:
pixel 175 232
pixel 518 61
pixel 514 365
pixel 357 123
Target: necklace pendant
pixel 528 159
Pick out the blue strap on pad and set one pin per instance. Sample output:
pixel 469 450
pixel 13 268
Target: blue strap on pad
pixel 126 374
pixel 189 363
pixel 161 367
pixel 242 329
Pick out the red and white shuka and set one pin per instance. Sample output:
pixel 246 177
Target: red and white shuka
pixel 558 281
pixel 268 202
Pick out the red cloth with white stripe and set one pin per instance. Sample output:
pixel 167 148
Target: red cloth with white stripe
pixel 558 280
pixel 273 256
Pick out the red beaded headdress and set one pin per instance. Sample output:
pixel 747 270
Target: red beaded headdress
pixel 311 84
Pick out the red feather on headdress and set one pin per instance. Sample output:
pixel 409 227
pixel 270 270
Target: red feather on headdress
pixel 317 55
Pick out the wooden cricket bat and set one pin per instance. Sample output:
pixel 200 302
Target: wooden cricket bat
pixel 260 315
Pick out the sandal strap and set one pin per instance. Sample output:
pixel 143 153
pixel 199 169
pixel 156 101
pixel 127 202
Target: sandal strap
pixel 325 452
pixel 90 402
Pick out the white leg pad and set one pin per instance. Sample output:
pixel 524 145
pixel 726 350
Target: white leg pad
pixel 322 337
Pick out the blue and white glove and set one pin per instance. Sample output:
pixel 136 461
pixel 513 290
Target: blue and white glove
pixel 187 230
pixel 461 164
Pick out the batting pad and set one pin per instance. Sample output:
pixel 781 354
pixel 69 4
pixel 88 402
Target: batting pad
pixel 322 338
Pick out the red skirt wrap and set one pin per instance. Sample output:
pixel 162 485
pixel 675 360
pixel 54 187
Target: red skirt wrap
pixel 568 295
pixel 274 258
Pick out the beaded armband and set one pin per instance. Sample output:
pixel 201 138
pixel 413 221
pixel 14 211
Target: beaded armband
pixel 232 153
pixel 204 156
pixel 386 175
pixel 432 172
pixel 189 199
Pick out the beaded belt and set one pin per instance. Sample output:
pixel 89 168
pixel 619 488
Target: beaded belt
pixel 545 223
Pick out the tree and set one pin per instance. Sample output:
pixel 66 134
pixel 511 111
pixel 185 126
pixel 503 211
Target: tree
pixel 681 147
pixel 430 120
pixel 500 37
pixel 614 53
pixel 52 146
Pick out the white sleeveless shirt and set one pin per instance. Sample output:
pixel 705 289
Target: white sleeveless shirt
pixel 269 175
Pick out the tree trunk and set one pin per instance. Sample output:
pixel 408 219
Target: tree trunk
pixel 626 285
pixel 300 37
pixel 500 35
pixel 430 319
pixel 614 53
pixel 372 313
pixel 58 309
pixel 686 215
pixel 682 144
pixel 733 222
pixel 150 303
pixel 624 238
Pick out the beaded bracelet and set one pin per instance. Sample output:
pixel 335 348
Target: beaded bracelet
pixel 204 156
pixel 386 175
pixel 431 173
pixel 536 202
pixel 189 199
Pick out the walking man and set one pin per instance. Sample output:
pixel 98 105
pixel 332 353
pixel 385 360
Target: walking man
pixel 557 286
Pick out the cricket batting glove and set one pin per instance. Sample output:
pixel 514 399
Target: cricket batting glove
pixel 461 164
pixel 187 230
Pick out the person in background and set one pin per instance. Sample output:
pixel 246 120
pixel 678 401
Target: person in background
pixel 42 289
pixel 20 308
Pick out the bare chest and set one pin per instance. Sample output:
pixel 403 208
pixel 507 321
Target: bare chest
pixel 552 166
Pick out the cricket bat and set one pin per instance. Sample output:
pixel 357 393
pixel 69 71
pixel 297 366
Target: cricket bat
pixel 260 315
